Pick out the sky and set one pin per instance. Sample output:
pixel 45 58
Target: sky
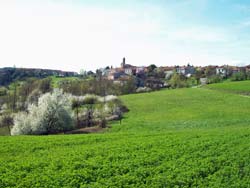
pixel 89 34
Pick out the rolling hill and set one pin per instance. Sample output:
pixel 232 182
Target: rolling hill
pixel 242 87
pixel 195 137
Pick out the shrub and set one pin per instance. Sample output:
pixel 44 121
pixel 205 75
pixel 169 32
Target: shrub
pixel 3 91
pixel 92 109
pixel 143 89
pixel 215 79
pixel 178 81
pixel 109 98
pixel 239 76
pixel 90 99
pixel 33 97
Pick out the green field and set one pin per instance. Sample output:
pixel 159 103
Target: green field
pixel 172 138
pixel 55 80
pixel 242 87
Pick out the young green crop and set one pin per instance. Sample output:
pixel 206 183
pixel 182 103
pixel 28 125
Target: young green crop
pixel 171 138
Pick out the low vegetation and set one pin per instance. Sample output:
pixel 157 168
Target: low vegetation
pixel 58 112
pixel 172 138
pixel 242 87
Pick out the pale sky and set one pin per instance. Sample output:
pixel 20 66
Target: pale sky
pixel 90 34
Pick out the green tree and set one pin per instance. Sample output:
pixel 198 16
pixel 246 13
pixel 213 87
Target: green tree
pixel 210 71
pixel 129 86
pixel 239 76
pixel 199 74
pixel 152 67
pixel 177 81
pixel 45 85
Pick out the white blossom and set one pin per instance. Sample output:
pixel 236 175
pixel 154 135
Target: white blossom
pixel 52 114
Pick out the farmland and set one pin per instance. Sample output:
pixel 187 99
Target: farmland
pixel 195 137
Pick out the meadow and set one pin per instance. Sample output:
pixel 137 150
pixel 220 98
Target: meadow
pixel 55 80
pixel 195 137
pixel 242 87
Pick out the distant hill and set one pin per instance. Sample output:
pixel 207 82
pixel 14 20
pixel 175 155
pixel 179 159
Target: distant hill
pixel 9 74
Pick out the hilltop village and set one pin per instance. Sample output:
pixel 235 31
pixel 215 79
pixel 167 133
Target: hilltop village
pixel 150 77
pixel 157 77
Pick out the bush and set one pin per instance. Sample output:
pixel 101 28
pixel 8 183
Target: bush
pixel 143 89
pixel 215 79
pixel 53 114
pixel 90 99
pixel 92 109
pixel 178 81
pixel 109 98
pixel 3 91
pixel 191 81
pixel 239 76
pixel 33 97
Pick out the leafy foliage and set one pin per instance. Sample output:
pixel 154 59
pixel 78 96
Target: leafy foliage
pixel 178 81
pixel 215 79
pixel 93 109
pixel 238 76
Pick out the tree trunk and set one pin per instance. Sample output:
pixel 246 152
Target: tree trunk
pixel 9 129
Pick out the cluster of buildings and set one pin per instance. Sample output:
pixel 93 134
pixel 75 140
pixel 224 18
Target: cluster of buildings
pixel 125 71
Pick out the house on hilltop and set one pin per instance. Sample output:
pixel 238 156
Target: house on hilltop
pixel 247 68
pixel 221 70
pixel 115 74
pixel 128 69
pixel 141 69
pixel 234 69
pixel 188 70
pixel 169 71
pixel 124 71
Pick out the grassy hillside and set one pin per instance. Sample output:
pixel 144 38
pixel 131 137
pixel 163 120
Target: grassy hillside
pixel 236 87
pixel 184 108
pixel 171 138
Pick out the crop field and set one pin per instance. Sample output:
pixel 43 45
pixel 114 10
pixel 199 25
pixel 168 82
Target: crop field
pixel 193 137
pixel 236 87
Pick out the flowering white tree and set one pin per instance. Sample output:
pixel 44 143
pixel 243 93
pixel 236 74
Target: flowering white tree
pixel 22 124
pixel 52 114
